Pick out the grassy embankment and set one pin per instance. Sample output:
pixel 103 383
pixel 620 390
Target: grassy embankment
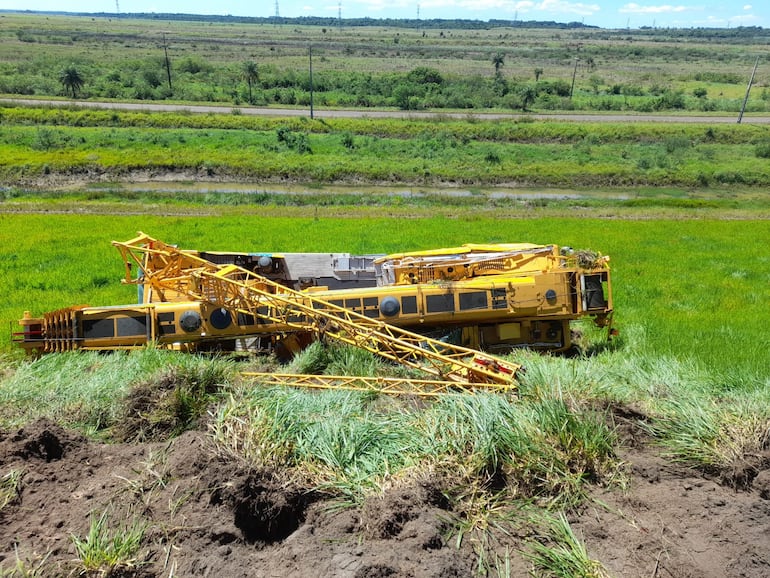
pixel 43 145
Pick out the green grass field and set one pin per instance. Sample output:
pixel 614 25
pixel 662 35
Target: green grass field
pixel 695 290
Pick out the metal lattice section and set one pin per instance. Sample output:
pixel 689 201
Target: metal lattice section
pixel 380 385
pixel 237 289
pixel 163 267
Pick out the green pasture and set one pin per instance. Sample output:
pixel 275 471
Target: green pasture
pixel 44 143
pixel 693 290
pixel 409 66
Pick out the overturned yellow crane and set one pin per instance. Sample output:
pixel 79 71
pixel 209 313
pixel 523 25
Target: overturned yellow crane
pixel 472 297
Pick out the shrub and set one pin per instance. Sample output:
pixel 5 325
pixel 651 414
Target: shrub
pixel 719 77
pixel 492 157
pixel 404 95
pixel 677 143
pixel 762 150
pixel 152 78
pixel 556 87
pixel 297 141
pixel 425 75
pixel 348 140
pixel 669 100
pixel 193 66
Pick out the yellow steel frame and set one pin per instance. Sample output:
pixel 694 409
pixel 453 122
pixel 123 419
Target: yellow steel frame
pixel 237 289
pixel 382 385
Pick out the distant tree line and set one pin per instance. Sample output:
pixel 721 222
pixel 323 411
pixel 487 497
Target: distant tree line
pixel 329 21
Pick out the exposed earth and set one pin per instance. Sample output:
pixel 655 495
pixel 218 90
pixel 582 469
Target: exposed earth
pixel 208 515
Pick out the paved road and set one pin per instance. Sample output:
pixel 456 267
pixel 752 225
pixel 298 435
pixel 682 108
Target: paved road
pixel 329 113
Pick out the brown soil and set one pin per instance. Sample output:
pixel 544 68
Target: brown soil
pixel 211 516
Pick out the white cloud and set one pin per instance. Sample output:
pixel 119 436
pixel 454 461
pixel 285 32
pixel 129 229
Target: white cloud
pixel 560 6
pixel 634 8
pixel 747 7
pixel 742 20
pixel 523 6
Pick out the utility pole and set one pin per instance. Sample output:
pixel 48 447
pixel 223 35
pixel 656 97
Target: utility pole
pixel 574 73
pixel 748 89
pixel 168 63
pixel 277 13
pixel 310 55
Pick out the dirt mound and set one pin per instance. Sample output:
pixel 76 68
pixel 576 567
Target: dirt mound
pixel 41 440
pixel 671 521
pixel 743 473
pixel 164 405
pixel 208 515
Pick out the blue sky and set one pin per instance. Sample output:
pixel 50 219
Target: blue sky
pixel 604 13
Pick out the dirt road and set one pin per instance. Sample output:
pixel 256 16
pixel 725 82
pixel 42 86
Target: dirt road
pixel 331 113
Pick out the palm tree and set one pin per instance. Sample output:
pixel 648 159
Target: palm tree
pixel 71 80
pixel 251 74
pixel 498 60
pixel 527 94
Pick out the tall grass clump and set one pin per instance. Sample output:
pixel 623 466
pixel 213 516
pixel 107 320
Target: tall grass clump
pixel 696 419
pixel 172 399
pixel 339 442
pixel 542 450
pixel 559 553
pixel 351 443
pixel 321 358
pixel 87 390
pixel 10 485
pixel 726 436
pixel 312 360
pixel 104 550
